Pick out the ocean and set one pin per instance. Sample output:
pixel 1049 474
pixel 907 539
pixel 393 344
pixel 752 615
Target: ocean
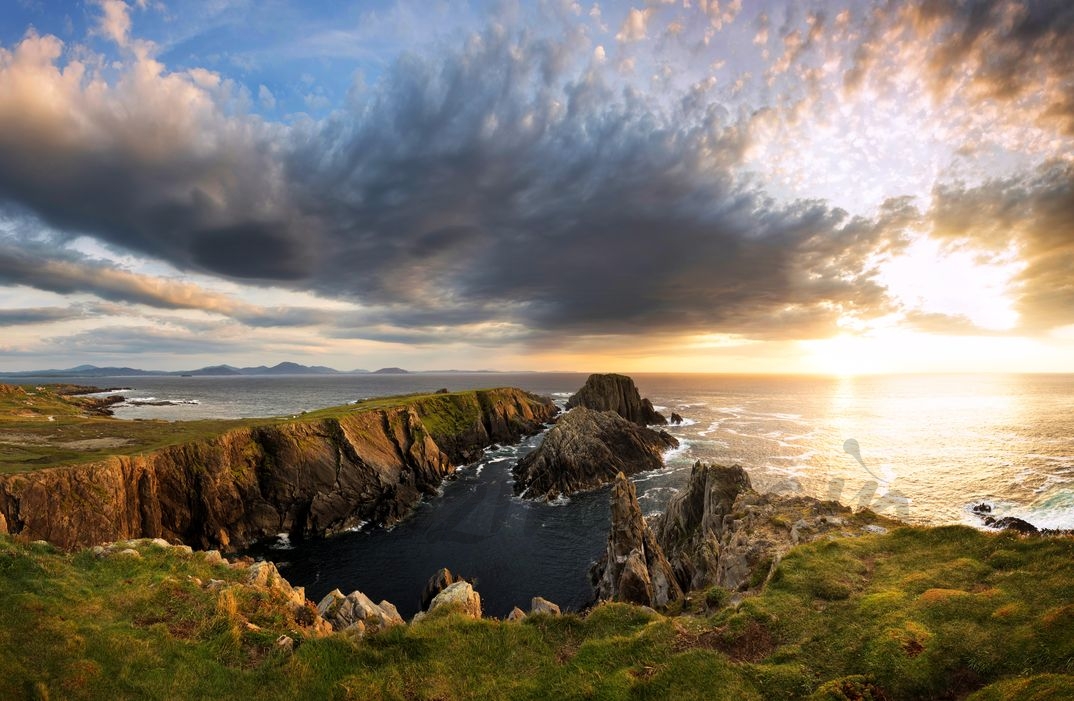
pixel 928 449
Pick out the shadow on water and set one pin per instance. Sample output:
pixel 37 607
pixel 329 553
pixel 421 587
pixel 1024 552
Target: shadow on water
pixel 513 549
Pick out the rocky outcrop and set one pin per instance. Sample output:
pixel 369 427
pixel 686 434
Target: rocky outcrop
pixel 585 450
pixel 676 419
pixel 539 604
pixel 634 568
pixel 306 478
pixel 719 531
pixel 459 597
pixel 611 392
pixel 356 612
pixel 436 584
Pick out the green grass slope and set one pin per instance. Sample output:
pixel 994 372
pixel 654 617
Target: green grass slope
pixel 915 614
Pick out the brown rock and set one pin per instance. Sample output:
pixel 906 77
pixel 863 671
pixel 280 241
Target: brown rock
pixel 675 419
pixel 541 605
pixel 459 596
pixel 436 584
pixel 516 615
pixel 587 449
pixel 634 568
pixel 612 392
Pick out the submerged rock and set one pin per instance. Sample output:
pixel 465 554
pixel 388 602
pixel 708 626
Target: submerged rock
pixel 585 450
pixel 675 418
pixel 634 568
pixel 1011 523
pixel 612 392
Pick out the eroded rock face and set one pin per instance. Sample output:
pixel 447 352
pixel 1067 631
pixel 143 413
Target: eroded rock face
pixel 634 568
pixel 612 392
pixel 357 612
pixel 436 584
pixel 459 596
pixel 585 450
pixel 718 530
pixel 304 478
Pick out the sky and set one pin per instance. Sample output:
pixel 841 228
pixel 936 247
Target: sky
pixel 662 185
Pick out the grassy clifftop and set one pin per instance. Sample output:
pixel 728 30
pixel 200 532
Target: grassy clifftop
pixel 917 613
pixel 41 426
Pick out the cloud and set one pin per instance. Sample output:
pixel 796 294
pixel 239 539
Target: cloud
pixel 635 25
pixel 509 185
pixel 1032 213
pixel 39 315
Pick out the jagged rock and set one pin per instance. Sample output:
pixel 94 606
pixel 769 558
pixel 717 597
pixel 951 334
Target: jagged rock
pixel 541 605
pixel 675 418
pixel 585 450
pixel 265 574
pixel 1011 523
pixel 516 615
pixel 307 478
pixel 460 596
pixel 719 531
pixel 285 643
pixel 3 524
pixel 612 392
pixel 347 612
pixel 982 508
pixel 634 568
pixel 436 584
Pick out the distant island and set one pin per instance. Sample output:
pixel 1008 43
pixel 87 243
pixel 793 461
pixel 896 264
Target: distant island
pixel 284 368
pixel 391 371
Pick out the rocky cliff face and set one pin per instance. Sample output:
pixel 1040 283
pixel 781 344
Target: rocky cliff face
pixel 611 392
pixel 585 450
pixel 303 478
pixel 634 568
pixel 717 531
pixel 720 531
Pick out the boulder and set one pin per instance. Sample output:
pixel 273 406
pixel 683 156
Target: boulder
pixel 516 615
pixel 436 584
pixel 1011 523
pixel 587 449
pixel 611 392
pixel 541 605
pixel 347 612
pixel 285 643
pixel 675 418
pixel 634 568
pixel 459 596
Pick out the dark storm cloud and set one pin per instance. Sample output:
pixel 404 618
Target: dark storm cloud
pixel 39 315
pixel 504 182
pixel 1033 213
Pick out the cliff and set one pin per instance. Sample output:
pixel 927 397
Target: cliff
pixel 326 472
pixel 634 569
pixel 612 392
pixel 585 450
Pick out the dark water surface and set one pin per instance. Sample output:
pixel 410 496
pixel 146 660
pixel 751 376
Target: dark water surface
pixel 930 448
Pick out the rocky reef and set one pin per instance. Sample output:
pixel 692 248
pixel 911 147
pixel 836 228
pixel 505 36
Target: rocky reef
pixel 612 392
pixel 306 477
pixel 717 531
pixel 585 450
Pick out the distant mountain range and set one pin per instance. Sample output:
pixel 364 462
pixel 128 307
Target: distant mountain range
pixel 285 368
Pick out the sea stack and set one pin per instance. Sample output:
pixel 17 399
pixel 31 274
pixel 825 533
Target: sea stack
pixel 634 569
pixel 585 450
pixel 612 392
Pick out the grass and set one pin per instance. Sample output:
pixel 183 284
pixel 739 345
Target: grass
pixel 917 613
pixel 39 427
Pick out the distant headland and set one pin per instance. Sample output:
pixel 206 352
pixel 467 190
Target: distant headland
pixel 284 368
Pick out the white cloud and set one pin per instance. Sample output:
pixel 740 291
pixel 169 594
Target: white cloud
pixel 635 25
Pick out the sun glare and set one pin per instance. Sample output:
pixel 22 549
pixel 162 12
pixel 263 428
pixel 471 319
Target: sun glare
pixel 961 283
